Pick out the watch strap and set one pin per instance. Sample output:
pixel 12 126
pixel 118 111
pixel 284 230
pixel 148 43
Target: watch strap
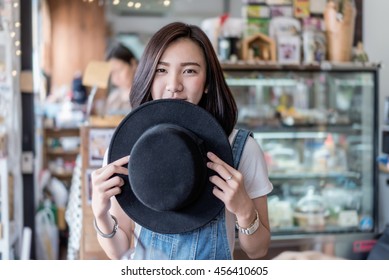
pixel 252 228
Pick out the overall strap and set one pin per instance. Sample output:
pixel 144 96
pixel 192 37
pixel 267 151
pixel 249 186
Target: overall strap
pixel 238 145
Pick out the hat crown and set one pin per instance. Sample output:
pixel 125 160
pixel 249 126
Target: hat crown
pixel 167 168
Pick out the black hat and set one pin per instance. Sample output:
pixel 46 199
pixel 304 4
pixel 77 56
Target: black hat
pixel 168 188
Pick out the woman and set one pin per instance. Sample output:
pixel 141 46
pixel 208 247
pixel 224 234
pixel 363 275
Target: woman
pixel 122 63
pixel 179 62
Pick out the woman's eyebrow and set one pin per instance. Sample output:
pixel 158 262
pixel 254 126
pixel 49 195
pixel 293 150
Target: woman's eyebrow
pixel 190 63
pixel 182 64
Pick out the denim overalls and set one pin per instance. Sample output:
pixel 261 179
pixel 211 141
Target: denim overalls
pixel 208 242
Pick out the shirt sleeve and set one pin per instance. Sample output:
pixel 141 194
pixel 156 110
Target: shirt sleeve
pixel 254 169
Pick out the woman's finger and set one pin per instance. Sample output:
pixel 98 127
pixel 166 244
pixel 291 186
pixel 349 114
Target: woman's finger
pixel 113 182
pixel 215 159
pixel 224 170
pixel 121 161
pixel 112 192
pixel 107 171
pixel 113 169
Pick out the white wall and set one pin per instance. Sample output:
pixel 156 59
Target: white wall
pixel 376 42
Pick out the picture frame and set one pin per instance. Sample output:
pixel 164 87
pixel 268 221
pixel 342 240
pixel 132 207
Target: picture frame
pixel 289 49
pixel 99 140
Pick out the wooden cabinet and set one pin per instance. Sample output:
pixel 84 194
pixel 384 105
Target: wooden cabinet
pixel 95 140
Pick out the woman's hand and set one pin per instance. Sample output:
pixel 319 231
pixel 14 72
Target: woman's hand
pixel 104 186
pixel 230 189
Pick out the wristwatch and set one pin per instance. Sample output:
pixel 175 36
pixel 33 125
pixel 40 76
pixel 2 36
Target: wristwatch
pixel 252 227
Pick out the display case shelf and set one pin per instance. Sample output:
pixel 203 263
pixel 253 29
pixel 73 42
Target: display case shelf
pixel 313 175
pixel 300 133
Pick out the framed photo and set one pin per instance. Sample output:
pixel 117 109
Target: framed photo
pixel 98 143
pixel 288 49
pixel 88 186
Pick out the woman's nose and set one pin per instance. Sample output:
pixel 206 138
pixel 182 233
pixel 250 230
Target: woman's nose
pixel 174 85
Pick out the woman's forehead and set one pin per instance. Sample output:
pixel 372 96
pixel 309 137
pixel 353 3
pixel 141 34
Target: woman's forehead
pixel 183 48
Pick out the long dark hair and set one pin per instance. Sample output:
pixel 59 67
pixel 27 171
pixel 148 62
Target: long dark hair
pixel 218 100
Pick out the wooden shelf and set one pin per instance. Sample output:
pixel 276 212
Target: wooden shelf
pixel 62 132
pixel 61 151
pixel 62 176
pixel 51 153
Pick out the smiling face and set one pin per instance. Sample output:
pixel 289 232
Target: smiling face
pixel 180 62
pixel 180 73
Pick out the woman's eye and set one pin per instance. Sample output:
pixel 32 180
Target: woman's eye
pixel 160 70
pixel 190 71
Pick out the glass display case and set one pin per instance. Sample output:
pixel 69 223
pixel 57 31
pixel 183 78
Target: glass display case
pixel 317 126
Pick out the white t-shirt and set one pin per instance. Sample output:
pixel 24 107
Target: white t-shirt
pixel 253 167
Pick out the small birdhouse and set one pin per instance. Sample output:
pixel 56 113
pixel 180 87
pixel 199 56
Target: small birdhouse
pixel 258 47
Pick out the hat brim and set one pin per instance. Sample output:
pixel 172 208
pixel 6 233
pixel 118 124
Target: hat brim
pixel 193 118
